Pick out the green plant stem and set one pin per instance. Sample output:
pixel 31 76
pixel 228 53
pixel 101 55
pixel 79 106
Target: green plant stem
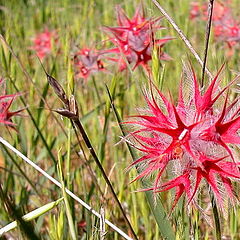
pixel 216 217
pixel 96 89
pixel 21 171
pixel 65 197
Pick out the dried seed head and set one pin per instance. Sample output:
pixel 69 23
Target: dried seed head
pixel 73 107
pixel 65 113
pixel 58 89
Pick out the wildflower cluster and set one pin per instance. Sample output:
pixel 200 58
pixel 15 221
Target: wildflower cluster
pixel 197 138
pixel 225 26
pixel 134 40
pixel 5 104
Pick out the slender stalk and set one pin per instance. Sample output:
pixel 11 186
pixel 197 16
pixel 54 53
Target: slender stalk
pixel 94 155
pixel 182 36
pixel 68 162
pixel 86 163
pixel 71 112
pixel 21 171
pixel 216 216
pixel 96 89
pixel 57 183
pixel 156 208
pixel 67 205
pixel 208 30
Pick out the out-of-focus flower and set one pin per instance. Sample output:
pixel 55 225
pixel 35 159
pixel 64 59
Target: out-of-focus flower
pixel 225 27
pixel 134 39
pixel 195 10
pixel 195 140
pixel 42 43
pixel 5 104
pixel 221 10
pixel 88 61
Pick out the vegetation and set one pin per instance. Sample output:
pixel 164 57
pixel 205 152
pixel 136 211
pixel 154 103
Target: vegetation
pixel 70 123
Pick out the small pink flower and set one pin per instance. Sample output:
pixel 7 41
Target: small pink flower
pixel 195 10
pixel 88 61
pixel 192 138
pixel 134 39
pixel 5 104
pixel 42 43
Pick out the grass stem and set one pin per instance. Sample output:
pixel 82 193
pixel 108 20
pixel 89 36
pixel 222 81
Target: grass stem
pixel 208 30
pixel 216 217
pixel 182 36
pixel 57 183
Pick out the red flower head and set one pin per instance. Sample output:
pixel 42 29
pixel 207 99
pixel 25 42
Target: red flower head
pixel 88 61
pixel 134 39
pixel 193 138
pixel 5 104
pixel 42 43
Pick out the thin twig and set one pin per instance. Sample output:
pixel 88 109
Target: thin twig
pixel 182 36
pixel 86 162
pixel 208 30
pixel 71 194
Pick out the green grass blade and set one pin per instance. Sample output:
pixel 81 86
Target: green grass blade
pixel 31 215
pixel 65 197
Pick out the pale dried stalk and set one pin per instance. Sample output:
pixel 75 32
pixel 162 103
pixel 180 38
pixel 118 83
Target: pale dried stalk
pixel 71 194
pixel 182 36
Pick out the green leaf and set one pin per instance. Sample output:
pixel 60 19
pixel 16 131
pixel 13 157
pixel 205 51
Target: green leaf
pixel 30 216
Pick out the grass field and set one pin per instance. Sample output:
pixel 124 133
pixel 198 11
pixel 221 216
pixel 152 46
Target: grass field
pixel 49 139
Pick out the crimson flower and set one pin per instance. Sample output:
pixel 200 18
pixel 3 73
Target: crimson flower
pixel 134 39
pixel 42 43
pixel 5 104
pixel 190 141
pixel 88 61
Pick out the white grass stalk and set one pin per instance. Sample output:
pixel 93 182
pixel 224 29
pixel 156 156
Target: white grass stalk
pixel 71 194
